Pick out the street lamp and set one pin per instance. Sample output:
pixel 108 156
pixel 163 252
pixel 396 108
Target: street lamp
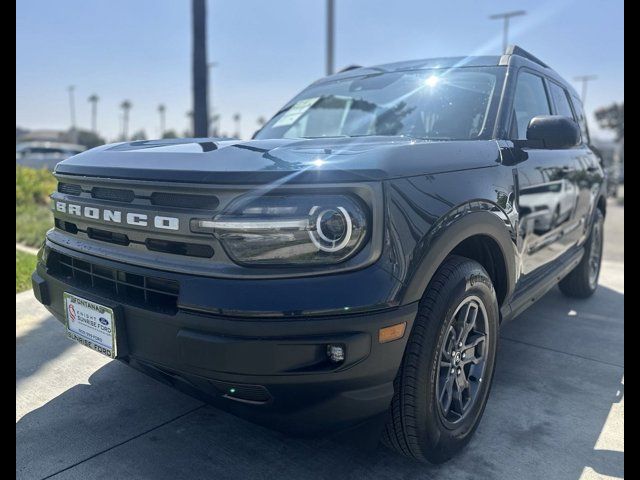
pixel 72 112
pixel 505 33
pixel 212 122
pixel 584 79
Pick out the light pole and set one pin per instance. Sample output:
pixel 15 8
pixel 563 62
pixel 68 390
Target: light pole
pixel 585 79
pixel 72 112
pixel 330 35
pixel 505 32
pixel 93 100
pixel 212 123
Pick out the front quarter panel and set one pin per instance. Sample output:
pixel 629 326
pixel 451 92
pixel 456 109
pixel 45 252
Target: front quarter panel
pixel 428 216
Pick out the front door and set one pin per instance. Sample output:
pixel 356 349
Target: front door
pixel 547 178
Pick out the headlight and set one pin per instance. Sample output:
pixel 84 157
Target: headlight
pixel 290 230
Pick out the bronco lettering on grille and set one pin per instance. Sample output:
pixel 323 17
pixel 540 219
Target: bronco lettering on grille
pixel 116 216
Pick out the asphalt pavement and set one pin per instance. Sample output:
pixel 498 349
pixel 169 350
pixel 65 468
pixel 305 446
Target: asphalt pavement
pixel 556 410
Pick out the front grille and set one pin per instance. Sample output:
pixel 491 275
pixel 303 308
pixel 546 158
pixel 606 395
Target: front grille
pixel 204 202
pixel 148 292
pixel 160 199
pixel 179 248
pixel 66 226
pixel 113 194
pixel 114 201
pixel 69 188
pixel 188 249
pixel 107 236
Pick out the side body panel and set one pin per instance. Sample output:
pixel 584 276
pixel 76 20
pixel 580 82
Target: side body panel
pixel 428 216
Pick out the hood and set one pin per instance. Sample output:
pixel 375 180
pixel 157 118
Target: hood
pixel 223 161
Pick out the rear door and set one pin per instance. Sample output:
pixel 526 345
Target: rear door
pixel 579 156
pixel 590 173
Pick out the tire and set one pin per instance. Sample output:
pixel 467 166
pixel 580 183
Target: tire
pixel 582 281
pixel 555 217
pixel 417 426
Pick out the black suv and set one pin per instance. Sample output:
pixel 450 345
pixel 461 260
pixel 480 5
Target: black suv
pixel 352 263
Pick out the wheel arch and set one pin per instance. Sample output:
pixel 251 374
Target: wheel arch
pixel 479 235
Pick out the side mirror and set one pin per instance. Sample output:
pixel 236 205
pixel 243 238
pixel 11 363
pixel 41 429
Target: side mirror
pixel 553 131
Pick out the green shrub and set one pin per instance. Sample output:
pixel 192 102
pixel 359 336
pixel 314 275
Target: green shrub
pixel 33 215
pixel 25 264
pixel 32 222
pixel 33 186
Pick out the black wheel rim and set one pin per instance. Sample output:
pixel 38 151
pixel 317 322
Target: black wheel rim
pixel 595 253
pixel 462 360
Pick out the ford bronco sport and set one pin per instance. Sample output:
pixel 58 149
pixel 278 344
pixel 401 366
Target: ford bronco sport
pixel 352 262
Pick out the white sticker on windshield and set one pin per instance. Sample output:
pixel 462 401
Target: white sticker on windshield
pixel 296 111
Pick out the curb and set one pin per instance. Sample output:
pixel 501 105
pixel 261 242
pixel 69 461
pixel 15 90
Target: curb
pixel 26 249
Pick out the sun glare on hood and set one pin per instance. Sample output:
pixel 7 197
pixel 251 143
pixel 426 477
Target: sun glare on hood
pixel 432 81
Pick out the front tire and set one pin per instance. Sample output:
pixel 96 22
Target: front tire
pixel 582 281
pixel 443 383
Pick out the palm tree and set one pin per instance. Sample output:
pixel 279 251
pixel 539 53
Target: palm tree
pixel 199 68
pixel 125 106
pixel 161 110
pixel 236 119
pixel 190 128
pixel 215 125
pixel 93 100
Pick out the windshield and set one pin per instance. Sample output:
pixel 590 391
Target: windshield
pixel 436 104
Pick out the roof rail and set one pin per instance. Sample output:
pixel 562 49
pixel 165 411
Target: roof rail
pixel 521 52
pixel 350 67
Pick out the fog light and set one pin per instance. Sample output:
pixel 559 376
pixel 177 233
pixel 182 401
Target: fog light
pixel 335 353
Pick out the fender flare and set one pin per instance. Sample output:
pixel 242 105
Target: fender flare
pixel 438 246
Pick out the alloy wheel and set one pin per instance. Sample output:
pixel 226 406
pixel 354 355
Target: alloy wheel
pixel 462 360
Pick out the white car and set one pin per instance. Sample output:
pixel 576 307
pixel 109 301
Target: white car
pixel 45 154
pixel 549 204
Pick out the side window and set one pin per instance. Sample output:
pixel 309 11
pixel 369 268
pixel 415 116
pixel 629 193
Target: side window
pixel 582 120
pixel 560 100
pixel 530 101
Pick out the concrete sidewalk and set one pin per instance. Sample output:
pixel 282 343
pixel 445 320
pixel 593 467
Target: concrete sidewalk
pixel 556 409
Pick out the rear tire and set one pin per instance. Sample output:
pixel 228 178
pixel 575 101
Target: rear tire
pixel 582 281
pixel 420 425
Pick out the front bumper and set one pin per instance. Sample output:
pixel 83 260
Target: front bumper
pixel 272 370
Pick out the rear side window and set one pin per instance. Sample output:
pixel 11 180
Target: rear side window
pixel 560 99
pixel 582 120
pixel 530 101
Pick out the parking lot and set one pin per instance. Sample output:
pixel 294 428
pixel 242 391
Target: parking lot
pixel 556 409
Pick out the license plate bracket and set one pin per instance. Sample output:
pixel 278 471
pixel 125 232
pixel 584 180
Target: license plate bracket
pixel 92 324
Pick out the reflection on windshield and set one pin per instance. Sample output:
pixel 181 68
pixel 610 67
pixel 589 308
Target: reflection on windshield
pixel 433 104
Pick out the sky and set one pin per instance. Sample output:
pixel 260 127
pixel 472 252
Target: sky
pixel 267 51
